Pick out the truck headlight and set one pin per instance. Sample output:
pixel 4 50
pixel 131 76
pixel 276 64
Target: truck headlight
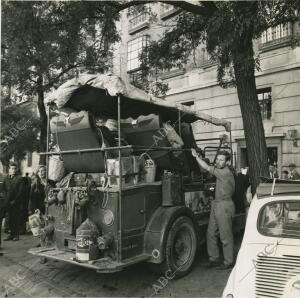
pixel 229 296
pixel 108 217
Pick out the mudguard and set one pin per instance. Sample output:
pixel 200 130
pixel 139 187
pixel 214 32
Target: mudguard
pixel 158 227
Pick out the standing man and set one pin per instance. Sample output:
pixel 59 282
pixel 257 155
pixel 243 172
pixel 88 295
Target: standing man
pixel 24 203
pixel 2 201
pixel 222 211
pixel 273 172
pixel 13 192
pixel 293 174
pixel 242 182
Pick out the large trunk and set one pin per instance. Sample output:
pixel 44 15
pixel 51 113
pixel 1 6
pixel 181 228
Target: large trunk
pixel 244 67
pixel 43 121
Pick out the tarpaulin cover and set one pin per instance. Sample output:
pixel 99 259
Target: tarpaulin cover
pixel 98 93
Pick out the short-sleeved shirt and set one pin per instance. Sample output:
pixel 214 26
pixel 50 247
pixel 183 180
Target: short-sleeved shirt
pixel 225 184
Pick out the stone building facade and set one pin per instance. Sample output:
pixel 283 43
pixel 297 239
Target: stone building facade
pixel 195 84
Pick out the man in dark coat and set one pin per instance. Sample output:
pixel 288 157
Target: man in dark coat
pixel 24 203
pixel 293 174
pixel 242 182
pixel 2 201
pixel 13 192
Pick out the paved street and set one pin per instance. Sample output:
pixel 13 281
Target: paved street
pixel 21 274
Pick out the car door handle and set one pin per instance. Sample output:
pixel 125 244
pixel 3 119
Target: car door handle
pixel 142 211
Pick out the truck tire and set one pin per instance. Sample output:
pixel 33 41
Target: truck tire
pixel 180 248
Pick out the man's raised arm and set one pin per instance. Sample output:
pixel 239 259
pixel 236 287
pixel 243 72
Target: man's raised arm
pixel 201 162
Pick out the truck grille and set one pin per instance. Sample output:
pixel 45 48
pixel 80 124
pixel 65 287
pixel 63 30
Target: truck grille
pixel 273 273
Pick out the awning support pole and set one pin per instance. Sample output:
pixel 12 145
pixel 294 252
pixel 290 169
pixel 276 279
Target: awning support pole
pixel 47 160
pixel 179 122
pixel 120 181
pixel 230 139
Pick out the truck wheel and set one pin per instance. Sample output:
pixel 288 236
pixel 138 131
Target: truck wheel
pixel 180 249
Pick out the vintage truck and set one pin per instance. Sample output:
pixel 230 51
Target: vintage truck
pixel 160 220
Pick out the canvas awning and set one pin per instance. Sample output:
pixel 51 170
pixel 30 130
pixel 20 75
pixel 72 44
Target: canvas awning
pixel 99 94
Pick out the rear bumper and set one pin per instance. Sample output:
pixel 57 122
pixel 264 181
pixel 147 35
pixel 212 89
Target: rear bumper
pixel 103 265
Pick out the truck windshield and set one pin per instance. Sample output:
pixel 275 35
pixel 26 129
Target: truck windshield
pixel 280 219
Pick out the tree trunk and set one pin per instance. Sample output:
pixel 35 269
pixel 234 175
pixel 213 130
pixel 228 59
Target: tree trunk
pixel 244 67
pixel 43 119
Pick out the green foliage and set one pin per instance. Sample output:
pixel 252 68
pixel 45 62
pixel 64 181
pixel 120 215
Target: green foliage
pixel 49 38
pixel 45 42
pixel 19 131
pixel 225 27
pixel 150 84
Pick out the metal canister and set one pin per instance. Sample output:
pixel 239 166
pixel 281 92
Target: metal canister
pixel 171 189
pixel 83 239
pixel 86 242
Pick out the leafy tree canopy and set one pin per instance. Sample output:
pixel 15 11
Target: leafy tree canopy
pixel 44 42
pixel 223 26
pixel 19 131
pixel 227 29
pixel 49 38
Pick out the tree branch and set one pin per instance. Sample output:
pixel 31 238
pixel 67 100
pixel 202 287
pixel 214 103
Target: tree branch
pixel 54 80
pixel 121 6
pixel 204 9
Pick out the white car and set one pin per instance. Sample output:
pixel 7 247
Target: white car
pixel 268 263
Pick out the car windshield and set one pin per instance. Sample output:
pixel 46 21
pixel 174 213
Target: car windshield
pixel 280 219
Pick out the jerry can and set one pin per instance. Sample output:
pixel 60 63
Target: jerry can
pixel 86 242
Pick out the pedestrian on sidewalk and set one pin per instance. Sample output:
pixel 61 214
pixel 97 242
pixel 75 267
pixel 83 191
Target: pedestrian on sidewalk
pixel 24 203
pixel 37 195
pixel 13 191
pixel 222 210
pixel 293 174
pixel 284 175
pixel 2 201
pixel 42 174
pixel 242 182
pixel 273 173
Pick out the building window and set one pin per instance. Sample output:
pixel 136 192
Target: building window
pixel 205 58
pixel 265 102
pixel 278 32
pixel 134 49
pixel 138 20
pixel 275 37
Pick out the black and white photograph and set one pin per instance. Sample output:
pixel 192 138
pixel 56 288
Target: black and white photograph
pixel 150 149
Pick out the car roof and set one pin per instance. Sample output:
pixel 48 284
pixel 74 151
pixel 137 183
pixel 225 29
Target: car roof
pixel 275 187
